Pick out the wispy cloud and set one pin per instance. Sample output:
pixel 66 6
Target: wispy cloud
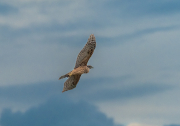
pixel 138 124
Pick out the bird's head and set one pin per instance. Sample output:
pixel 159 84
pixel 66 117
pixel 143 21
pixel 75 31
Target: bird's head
pixel 89 66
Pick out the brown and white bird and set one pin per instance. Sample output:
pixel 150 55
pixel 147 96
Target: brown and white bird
pixel 81 66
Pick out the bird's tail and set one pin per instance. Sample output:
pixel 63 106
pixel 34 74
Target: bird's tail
pixel 66 75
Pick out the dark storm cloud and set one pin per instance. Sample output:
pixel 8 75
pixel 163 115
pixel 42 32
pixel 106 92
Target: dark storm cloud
pixel 7 9
pixel 123 92
pixel 42 91
pixel 29 93
pixel 58 111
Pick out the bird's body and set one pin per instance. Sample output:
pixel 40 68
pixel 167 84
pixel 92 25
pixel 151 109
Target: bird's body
pixel 80 70
pixel 77 71
pixel 81 66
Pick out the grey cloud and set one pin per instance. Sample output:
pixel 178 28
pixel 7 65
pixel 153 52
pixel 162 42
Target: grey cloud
pixel 58 111
pixel 30 93
pixel 109 41
pixel 7 9
pixel 101 88
pixel 42 91
pixel 172 125
pixel 143 8
pixel 113 22
pixel 165 8
pixel 124 92
pixel 56 34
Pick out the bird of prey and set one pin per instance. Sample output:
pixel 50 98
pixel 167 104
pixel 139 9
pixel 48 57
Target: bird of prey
pixel 81 66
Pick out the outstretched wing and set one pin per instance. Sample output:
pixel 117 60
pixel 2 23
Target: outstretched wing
pixel 86 52
pixel 71 82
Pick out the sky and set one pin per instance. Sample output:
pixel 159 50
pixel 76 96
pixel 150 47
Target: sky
pixel 135 79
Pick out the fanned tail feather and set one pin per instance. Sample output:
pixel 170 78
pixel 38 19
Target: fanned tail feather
pixel 66 75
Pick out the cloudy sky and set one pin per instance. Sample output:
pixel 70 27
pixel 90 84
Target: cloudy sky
pixel 136 75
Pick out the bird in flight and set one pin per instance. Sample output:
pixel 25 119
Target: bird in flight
pixel 81 66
